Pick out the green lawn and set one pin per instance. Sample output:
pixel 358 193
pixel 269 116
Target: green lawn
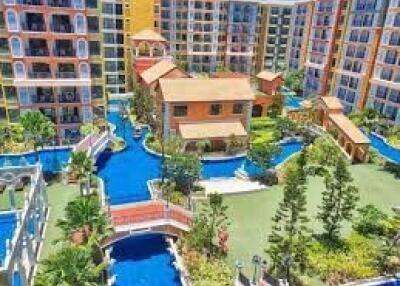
pixel 250 214
pixel 262 129
pixel 59 195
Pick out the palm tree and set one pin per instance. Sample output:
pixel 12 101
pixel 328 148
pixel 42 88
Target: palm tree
pixel 85 212
pixel 72 265
pixel 81 167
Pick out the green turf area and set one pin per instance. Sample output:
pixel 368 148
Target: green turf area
pixel 250 214
pixel 59 195
pixel 262 129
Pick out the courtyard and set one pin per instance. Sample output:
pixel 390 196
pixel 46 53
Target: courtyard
pixel 251 214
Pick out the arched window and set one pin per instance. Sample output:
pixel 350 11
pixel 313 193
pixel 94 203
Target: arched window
pixel 78 4
pixel 82 49
pixel 19 70
pixel 80 26
pixel 144 49
pixel 16 47
pixel 12 20
pixel 84 70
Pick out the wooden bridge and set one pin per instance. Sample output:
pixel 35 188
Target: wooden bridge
pixel 149 216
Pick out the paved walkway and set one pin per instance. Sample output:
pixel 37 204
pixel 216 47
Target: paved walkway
pixel 230 186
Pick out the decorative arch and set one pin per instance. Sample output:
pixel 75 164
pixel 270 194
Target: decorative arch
pixel 19 70
pixel 144 49
pixel 82 50
pixel 84 70
pixel 16 47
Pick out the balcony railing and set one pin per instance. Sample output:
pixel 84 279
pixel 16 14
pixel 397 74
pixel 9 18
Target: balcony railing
pixel 62 28
pixel 70 119
pixel 64 52
pixel 69 98
pixel 65 74
pixel 34 27
pixel 31 2
pixel 41 52
pixel 42 98
pixel 60 3
pixel 39 75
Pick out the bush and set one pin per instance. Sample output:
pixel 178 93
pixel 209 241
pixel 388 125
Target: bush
pixel 392 168
pixel 370 221
pixel 355 260
pixel 324 151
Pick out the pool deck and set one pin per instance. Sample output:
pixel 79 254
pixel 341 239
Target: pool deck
pixel 228 186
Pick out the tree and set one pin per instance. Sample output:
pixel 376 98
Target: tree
pixel 339 199
pixel 368 119
pixel 370 221
pixel 325 152
pixel 289 237
pixel 70 266
pixel 263 154
pixel 81 167
pixel 10 134
pixel 38 127
pixel 294 80
pixel 212 219
pixel 233 144
pixel 286 127
pixel 142 105
pixel 85 212
pixel 184 170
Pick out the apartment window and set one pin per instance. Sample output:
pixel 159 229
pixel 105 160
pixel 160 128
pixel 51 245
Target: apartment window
pixel 6 70
pixel 180 110
pixel 91 4
pixel 80 24
pixel 114 66
pixel 3 46
pixel 237 108
pixel 12 20
pixel 11 93
pixel 82 49
pixel 93 24
pixel 113 38
pixel 95 70
pixel 215 109
pixel 16 47
pixel 94 48
pixel 97 92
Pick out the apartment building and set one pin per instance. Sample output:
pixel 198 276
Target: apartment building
pixel 300 24
pixel 323 53
pixel 384 91
pixel 51 61
pixel 275 18
pixel 360 46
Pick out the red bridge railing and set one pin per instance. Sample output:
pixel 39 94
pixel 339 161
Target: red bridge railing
pixel 150 211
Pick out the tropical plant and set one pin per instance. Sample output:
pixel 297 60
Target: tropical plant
pixel 81 167
pixel 286 127
pixel 368 119
pixel 290 235
pixel 85 213
pixel 233 144
pixel 9 135
pixel 339 199
pixel 37 127
pixel 142 105
pixel 275 109
pixel 202 146
pixel 324 152
pixel 210 221
pixel 371 221
pixel 263 154
pixel 71 265
pixel 184 170
pixel 294 80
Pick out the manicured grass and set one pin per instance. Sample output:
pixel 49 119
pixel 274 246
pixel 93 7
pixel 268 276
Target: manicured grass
pixel 262 129
pixel 250 214
pixel 59 195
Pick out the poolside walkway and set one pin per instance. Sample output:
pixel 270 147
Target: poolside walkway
pixel 228 186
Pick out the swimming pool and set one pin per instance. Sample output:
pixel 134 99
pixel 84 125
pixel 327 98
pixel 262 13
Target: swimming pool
pixel 8 223
pixel 143 260
pixel 125 174
pixel 293 102
pixel 386 150
pixel 52 160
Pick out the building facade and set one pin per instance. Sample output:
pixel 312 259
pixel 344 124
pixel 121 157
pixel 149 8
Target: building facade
pixel 384 91
pixel 51 61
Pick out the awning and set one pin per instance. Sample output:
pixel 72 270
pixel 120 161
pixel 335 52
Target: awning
pixel 209 130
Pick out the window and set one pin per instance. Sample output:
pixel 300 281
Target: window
pixel 97 91
pixel 94 48
pixel 6 70
pixel 19 70
pixel 80 24
pixel 82 50
pixel 237 108
pixel 95 70
pixel 3 46
pixel 93 24
pixel 91 4
pixel 16 48
pixel 215 109
pixel 180 110
pixel 12 20
pixel 84 70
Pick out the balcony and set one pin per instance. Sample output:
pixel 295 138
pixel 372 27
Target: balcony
pixel 64 51
pixel 69 97
pixel 39 75
pixel 33 22
pixel 42 98
pixel 60 3
pixel 61 24
pixel 37 52
pixel 31 2
pixel 70 119
pixel 70 74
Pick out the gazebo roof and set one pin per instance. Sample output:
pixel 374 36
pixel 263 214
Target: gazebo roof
pixel 148 35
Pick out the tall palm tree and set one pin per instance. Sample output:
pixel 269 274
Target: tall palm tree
pixel 85 212
pixel 72 265
pixel 81 167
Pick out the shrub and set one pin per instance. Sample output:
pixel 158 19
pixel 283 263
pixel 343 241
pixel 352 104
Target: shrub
pixel 233 145
pixel 355 260
pixel 370 221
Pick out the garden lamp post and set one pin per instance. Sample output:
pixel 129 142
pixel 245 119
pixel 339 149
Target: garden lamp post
pixel 256 260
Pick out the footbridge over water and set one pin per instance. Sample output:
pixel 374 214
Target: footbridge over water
pixel 155 216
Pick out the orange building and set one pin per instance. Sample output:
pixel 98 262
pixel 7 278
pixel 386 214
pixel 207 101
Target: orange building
pixel 205 109
pixel 268 84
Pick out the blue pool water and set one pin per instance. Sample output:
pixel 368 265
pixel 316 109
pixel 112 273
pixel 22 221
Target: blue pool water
pixel 125 174
pixel 52 160
pixel 142 261
pixel 384 148
pixel 293 102
pixel 8 223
